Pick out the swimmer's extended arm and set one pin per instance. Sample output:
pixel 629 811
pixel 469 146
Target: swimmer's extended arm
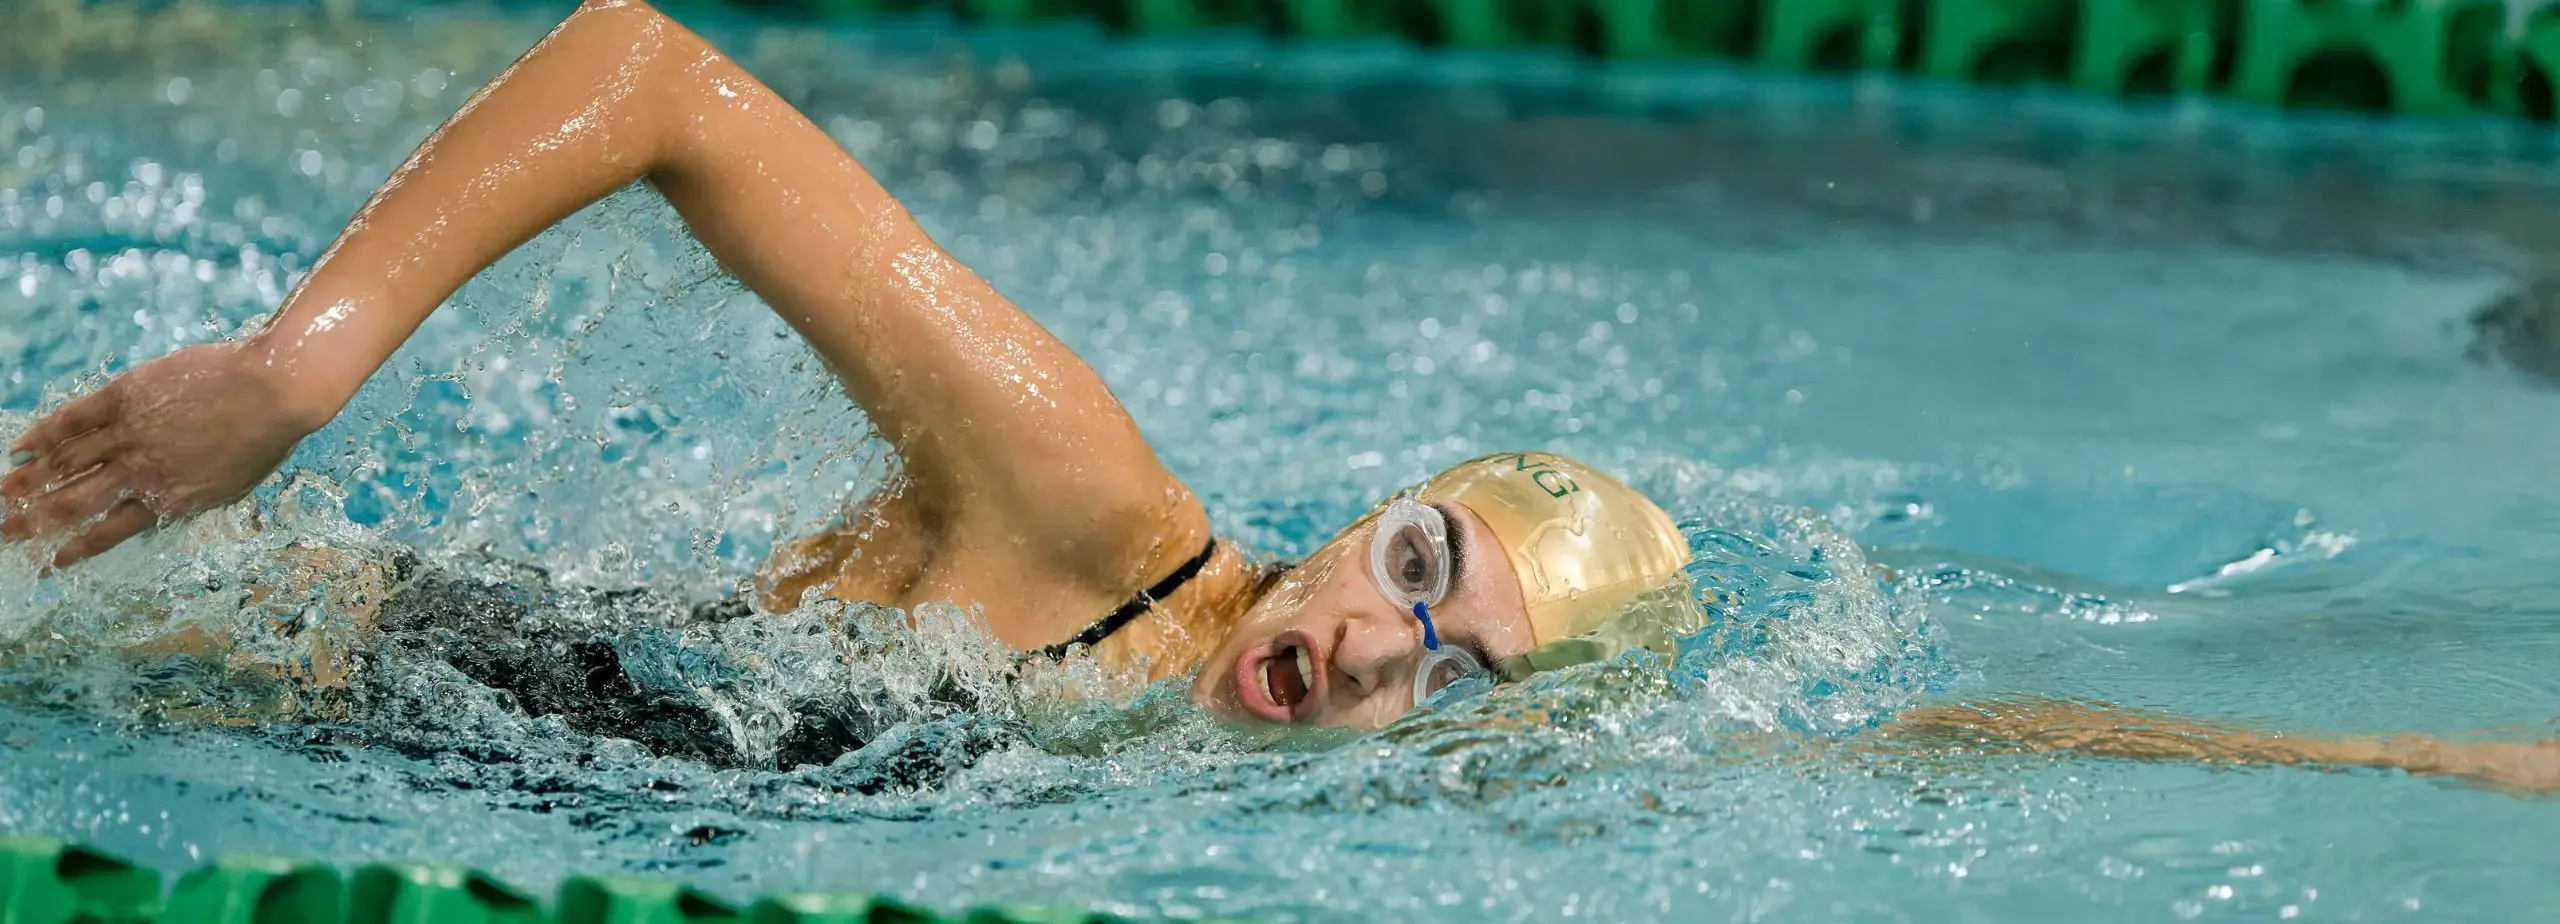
pixel 2047 726
pixel 1005 433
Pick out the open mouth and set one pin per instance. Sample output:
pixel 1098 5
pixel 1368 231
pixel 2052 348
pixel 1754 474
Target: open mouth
pixel 1278 681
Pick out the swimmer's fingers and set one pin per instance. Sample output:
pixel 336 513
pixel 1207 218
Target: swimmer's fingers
pixel 128 518
pixel 67 460
pixel 44 455
pixel 85 413
pixel 64 508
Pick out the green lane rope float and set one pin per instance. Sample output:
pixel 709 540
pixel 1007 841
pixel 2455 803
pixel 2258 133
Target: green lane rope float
pixel 50 881
pixel 2426 58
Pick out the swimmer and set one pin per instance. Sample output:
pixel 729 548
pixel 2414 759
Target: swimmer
pixel 1048 513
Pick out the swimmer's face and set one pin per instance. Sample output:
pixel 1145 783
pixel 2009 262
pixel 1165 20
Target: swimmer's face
pixel 1326 646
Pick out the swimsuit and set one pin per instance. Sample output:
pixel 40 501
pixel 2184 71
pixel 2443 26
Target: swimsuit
pixel 1136 607
pixel 490 632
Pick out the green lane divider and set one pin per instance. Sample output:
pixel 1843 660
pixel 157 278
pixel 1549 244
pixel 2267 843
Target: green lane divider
pixel 421 893
pixel 51 881
pixel 2146 47
pixel 2425 58
pixel 258 890
pixel 2433 58
pixel 48 881
pixel 835 909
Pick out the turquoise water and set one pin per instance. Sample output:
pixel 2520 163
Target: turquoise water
pixel 1956 395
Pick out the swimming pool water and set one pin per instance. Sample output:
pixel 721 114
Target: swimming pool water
pixel 2162 407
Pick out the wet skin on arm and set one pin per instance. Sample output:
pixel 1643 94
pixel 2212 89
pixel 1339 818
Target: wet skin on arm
pixel 1049 509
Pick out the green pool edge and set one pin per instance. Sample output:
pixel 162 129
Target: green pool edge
pixel 2419 58
pixel 46 880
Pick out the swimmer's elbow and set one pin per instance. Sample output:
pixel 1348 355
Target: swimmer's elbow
pixel 633 64
pixel 627 7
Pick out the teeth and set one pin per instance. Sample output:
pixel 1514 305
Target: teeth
pixel 1306 670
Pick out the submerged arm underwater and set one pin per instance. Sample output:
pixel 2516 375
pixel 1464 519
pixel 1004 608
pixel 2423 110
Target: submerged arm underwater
pixel 1019 464
pixel 2033 725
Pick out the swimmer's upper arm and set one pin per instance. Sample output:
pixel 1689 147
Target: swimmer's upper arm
pixel 1004 431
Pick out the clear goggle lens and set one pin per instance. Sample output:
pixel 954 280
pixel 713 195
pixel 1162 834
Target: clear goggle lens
pixel 1440 668
pixel 1409 558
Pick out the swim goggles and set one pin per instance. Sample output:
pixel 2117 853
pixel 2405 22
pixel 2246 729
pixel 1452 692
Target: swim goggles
pixel 1409 558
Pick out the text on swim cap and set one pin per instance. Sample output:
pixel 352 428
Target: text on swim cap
pixel 1547 477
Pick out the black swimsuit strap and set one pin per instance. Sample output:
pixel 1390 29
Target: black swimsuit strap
pixel 1136 607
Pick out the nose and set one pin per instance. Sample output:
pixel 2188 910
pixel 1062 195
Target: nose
pixel 1377 646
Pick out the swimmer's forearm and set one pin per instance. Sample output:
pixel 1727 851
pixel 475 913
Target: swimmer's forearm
pixel 2052 726
pixel 579 116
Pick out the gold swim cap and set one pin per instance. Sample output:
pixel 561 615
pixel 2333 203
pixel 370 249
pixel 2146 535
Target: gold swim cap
pixel 1599 564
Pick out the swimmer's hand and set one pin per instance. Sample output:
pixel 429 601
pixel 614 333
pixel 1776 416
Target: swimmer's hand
pixel 172 437
pixel 2523 767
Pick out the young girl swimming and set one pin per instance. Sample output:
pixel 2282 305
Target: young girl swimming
pixel 1027 493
